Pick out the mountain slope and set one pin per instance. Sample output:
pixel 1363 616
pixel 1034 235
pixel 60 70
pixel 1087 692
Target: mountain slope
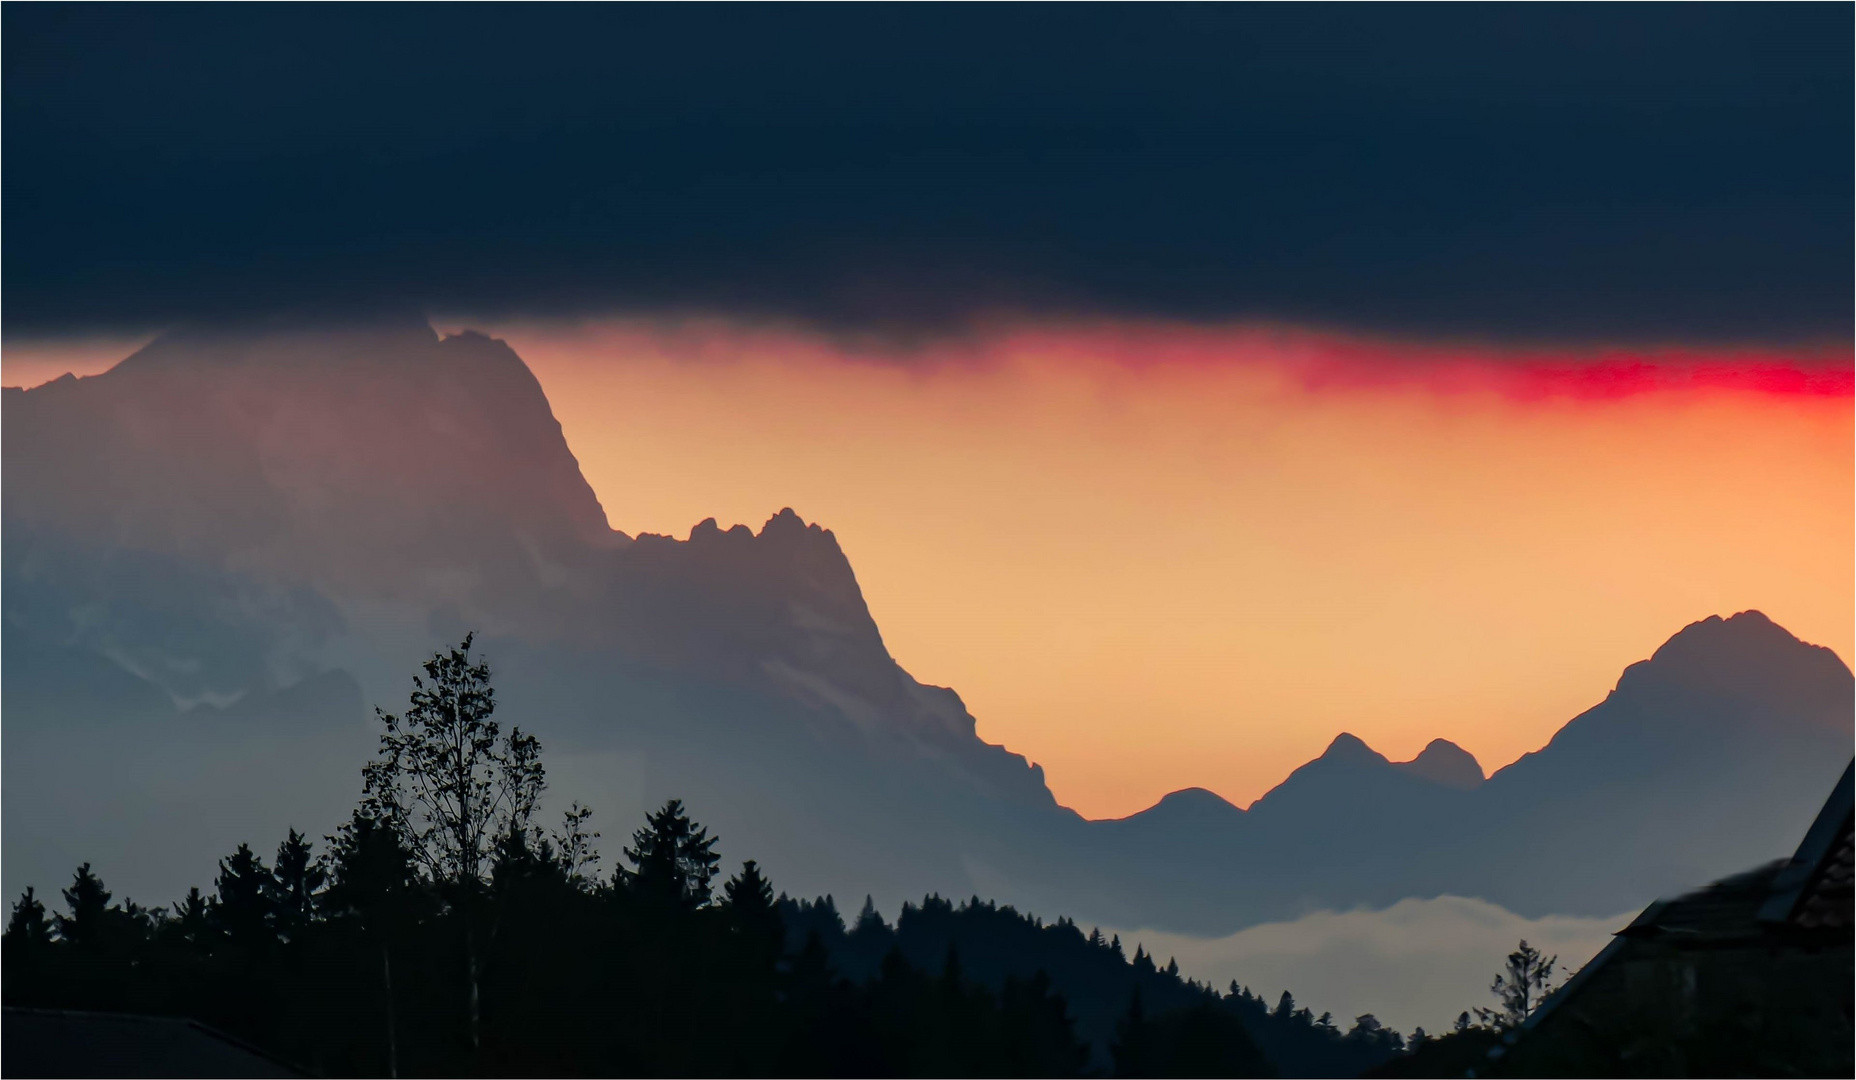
pixel 229 514
pixel 1705 758
pixel 220 553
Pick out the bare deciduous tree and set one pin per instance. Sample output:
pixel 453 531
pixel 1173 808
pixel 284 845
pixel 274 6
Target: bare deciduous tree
pixel 451 785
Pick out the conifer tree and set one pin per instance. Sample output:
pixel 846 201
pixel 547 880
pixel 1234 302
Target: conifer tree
pixel 191 922
pixel 1133 1050
pixel 747 898
pixel 88 903
pixel 673 860
pixel 243 908
pixel 868 919
pixel 1519 988
pixel 1285 1006
pixel 372 881
pixel 28 923
pixel 297 878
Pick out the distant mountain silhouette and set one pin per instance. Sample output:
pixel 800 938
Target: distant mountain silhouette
pixel 218 554
pixel 1444 762
pixel 1693 762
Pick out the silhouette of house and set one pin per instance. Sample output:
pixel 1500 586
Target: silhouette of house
pixel 1750 976
pixel 56 1042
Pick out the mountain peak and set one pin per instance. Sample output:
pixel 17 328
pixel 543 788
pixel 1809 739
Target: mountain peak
pixel 1444 762
pixel 1746 656
pixel 1196 798
pixel 283 339
pixel 1349 747
pixel 1193 807
pixel 261 443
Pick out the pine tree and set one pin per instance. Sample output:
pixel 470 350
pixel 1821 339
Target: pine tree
pixel 1368 1031
pixel 1285 1006
pixel 372 881
pixel 192 921
pixel 1133 1049
pixel 88 902
pixel 868 920
pixel 1519 988
pixel 747 899
pixel 28 924
pixel 370 874
pixel 296 880
pixel 673 860
pixel 243 908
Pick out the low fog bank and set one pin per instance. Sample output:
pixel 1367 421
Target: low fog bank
pixel 1416 963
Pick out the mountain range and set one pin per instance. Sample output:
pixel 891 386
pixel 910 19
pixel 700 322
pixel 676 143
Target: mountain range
pixel 221 552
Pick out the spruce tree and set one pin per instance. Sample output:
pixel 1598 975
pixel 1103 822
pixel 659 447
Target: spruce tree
pixel 1519 988
pixel 297 879
pixel 88 903
pixel 673 860
pixel 868 919
pixel 1133 1049
pixel 191 922
pixel 747 898
pixel 372 882
pixel 243 908
pixel 29 924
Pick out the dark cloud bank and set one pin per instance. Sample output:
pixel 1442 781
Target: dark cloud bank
pixel 1530 172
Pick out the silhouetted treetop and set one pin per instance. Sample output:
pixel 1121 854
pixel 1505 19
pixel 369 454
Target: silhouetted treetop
pixel 673 859
pixel 447 780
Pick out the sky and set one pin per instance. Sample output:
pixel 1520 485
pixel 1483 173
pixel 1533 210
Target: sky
pixel 1185 384
pixel 1152 558
pixel 1592 172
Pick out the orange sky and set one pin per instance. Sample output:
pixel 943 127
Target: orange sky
pixel 1151 558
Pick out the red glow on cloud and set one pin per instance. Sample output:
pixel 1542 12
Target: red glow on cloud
pixel 1330 361
pixel 1606 376
pixel 1154 555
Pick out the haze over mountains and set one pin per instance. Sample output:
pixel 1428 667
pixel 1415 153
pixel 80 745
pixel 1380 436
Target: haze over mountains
pixel 219 554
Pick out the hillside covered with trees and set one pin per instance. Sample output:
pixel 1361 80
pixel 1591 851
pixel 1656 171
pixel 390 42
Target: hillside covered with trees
pixel 442 930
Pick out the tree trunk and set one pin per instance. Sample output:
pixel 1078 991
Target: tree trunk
pixel 470 953
pixel 393 1041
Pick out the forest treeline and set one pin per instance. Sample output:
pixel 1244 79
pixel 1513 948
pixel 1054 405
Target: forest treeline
pixel 442 931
